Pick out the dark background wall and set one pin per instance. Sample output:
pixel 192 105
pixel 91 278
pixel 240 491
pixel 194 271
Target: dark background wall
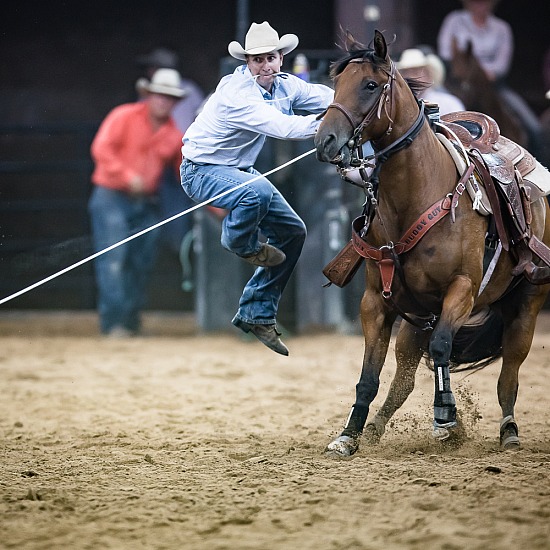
pixel 75 60
pixel 65 65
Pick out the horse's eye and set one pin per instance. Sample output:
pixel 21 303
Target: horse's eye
pixel 371 85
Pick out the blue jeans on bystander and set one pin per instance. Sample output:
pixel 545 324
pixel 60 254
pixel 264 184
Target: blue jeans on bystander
pixel 122 274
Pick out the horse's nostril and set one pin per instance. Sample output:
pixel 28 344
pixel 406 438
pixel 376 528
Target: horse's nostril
pixel 326 147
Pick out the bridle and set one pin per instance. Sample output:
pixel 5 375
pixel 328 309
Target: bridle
pixel 384 102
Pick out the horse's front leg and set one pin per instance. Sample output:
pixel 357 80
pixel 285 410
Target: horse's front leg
pixel 457 306
pixel 377 322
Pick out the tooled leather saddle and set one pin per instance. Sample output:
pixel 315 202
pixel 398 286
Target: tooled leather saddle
pixel 500 166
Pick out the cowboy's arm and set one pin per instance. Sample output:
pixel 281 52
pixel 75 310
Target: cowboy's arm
pixel 448 30
pixel 500 65
pixel 262 118
pixel 313 98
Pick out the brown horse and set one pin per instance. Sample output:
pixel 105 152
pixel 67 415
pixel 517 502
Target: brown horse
pixel 437 286
pixel 467 80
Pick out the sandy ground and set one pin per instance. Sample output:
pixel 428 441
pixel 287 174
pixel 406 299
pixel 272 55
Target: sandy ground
pixel 185 441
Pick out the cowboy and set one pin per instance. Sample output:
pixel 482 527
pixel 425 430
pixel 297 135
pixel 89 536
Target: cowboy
pixel 131 149
pixel 220 148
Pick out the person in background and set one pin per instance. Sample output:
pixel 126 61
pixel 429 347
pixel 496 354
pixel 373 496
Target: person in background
pixel 491 37
pixel 219 151
pixel 492 43
pixel 414 63
pixel 134 144
pixel 185 110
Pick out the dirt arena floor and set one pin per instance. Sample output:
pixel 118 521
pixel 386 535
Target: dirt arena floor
pixel 185 441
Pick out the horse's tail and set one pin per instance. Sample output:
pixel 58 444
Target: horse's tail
pixel 477 345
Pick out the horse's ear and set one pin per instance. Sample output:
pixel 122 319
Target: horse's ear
pixel 349 40
pixel 350 43
pixel 380 46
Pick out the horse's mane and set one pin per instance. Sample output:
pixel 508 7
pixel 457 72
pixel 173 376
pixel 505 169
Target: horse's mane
pixel 416 85
pixel 356 50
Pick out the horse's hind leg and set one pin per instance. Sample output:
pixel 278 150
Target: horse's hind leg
pixel 409 349
pixel 520 313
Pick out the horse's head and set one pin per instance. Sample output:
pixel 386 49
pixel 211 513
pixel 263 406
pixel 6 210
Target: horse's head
pixel 363 84
pixel 465 76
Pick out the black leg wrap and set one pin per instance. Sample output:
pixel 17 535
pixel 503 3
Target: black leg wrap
pixel 444 400
pixel 356 420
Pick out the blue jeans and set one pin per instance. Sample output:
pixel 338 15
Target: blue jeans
pixel 255 210
pixel 122 274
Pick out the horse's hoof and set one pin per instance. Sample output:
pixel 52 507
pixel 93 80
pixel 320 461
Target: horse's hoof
pixel 509 434
pixel 371 434
pixel 510 443
pixel 442 432
pixel 342 447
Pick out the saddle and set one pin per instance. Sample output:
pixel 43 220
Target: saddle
pixel 506 180
pixel 504 171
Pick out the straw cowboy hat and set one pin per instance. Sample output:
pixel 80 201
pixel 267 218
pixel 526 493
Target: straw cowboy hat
pixel 262 38
pixel 412 59
pixel 165 82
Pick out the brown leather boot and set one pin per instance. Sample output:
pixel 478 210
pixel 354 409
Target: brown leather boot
pixel 266 334
pixel 267 256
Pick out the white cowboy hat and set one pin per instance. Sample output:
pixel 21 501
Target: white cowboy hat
pixel 262 38
pixel 165 82
pixel 412 59
pixel 437 69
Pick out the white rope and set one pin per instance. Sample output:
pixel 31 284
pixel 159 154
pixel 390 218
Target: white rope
pixel 151 228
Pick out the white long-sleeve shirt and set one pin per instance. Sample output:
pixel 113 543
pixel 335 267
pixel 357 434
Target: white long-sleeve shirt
pixel 232 127
pixel 493 45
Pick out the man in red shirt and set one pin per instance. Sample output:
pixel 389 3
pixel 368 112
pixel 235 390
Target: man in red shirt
pixel 133 145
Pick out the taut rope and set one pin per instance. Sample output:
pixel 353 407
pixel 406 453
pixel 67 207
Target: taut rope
pixel 148 229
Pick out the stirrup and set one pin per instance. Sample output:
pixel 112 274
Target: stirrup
pixel 537 275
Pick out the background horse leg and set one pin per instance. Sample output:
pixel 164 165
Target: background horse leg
pixel 377 325
pixel 457 307
pixel 411 343
pixel 520 312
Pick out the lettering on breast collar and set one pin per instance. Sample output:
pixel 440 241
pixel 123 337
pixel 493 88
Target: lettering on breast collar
pixel 421 225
